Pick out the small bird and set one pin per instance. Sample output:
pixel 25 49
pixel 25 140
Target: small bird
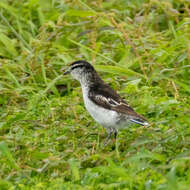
pixel 102 102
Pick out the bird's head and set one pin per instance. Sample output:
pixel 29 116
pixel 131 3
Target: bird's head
pixel 79 70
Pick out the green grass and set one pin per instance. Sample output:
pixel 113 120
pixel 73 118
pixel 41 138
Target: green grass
pixel 47 138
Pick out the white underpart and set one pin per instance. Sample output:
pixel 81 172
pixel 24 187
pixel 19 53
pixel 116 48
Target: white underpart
pixel 105 117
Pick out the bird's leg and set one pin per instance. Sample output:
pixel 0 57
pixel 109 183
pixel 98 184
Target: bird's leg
pixel 115 133
pixel 110 131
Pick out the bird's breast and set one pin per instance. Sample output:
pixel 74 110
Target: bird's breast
pixel 105 117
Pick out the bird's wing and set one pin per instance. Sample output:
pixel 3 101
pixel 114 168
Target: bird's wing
pixel 112 104
pixel 107 98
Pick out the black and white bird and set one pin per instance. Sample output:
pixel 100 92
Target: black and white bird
pixel 101 101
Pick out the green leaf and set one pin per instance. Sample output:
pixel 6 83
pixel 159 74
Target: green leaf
pixel 7 154
pixel 117 70
pixel 75 169
pixel 80 13
pixel 12 77
pixel 91 50
pixel 9 45
pixel 145 154
pixel 9 9
pixel 183 85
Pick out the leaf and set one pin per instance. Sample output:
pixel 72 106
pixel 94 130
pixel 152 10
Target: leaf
pixel 117 70
pixel 7 154
pixel 9 45
pixel 12 77
pixel 91 50
pixel 149 155
pixel 142 142
pixel 183 85
pixel 80 13
pixel 51 84
pixel 134 82
pixel 9 9
pixel 74 168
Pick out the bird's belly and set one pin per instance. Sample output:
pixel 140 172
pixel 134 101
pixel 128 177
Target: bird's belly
pixel 105 117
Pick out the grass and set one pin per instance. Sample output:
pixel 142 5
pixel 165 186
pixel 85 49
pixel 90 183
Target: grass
pixel 47 138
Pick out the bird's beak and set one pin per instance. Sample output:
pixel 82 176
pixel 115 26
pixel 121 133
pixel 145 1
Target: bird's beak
pixel 65 71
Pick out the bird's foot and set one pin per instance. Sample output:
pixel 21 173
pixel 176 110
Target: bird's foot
pixel 110 132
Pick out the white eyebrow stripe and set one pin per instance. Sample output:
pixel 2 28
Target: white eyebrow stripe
pixel 76 65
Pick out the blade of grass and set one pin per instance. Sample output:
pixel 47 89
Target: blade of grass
pixel 15 32
pixel 85 5
pixel 8 44
pixel 117 70
pixel 9 9
pixel 7 154
pixel 80 13
pixel 43 69
pixel 51 84
pixel 183 85
pixel 91 50
pixel 74 169
pixel 12 77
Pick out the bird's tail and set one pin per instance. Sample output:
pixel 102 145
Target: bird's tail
pixel 139 121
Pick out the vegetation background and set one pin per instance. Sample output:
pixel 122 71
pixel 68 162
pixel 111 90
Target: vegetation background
pixel 47 138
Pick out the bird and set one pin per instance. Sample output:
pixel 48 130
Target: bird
pixel 103 103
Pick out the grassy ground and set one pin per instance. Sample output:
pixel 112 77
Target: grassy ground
pixel 47 138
